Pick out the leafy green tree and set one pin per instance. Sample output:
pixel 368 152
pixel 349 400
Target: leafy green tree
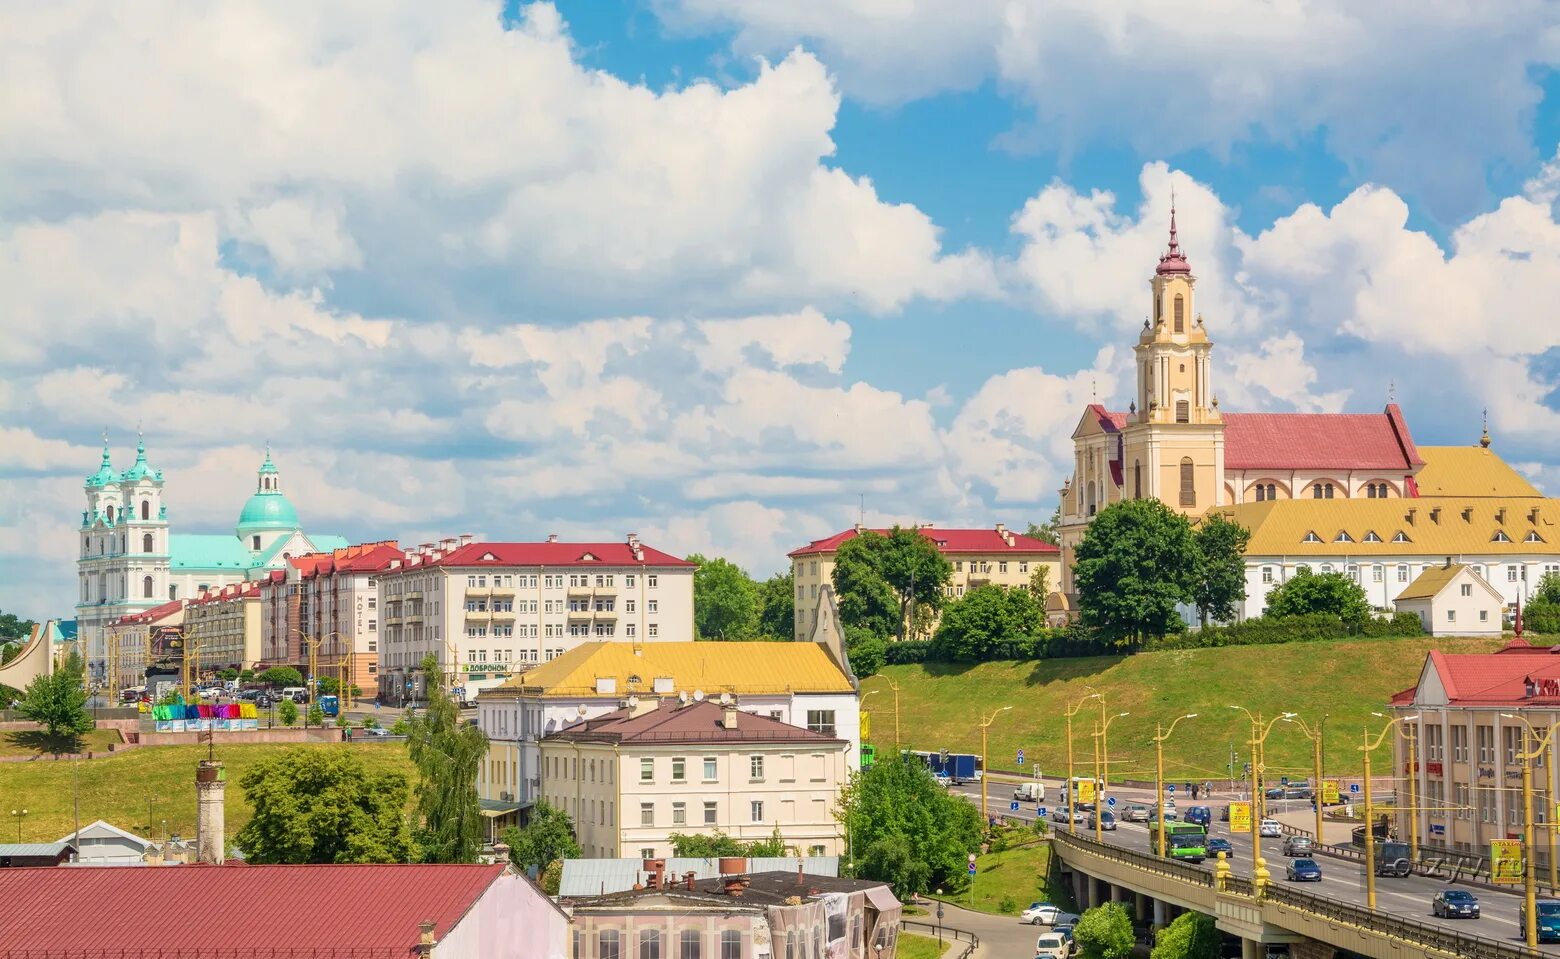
pixel 280 676
pixel 547 838
pixel 977 623
pixel 13 627
pixel 777 606
pixel 725 599
pixel 246 675
pixel 227 674
pixel 329 686
pixel 1040 583
pixel 315 716
pixel 705 845
pixel 1306 592
pixel 1135 565
pixel 1105 932
pixel 864 597
pixel 865 651
pixel 287 712
pixel 773 847
pixel 323 806
pixel 1191 936
pixel 1046 532
pixel 552 877
pixel 58 703
pixel 878 579
pixel 447 755
pixel 1219 581
pixel 908 831
pixel 1548 589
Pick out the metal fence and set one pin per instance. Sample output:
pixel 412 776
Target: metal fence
pixel 969 939
pixel 1141 860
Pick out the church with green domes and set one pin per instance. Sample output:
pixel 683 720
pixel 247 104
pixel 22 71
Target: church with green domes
pixel 132 561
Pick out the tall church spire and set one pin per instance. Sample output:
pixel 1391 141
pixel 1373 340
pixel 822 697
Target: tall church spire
pixel 1173 261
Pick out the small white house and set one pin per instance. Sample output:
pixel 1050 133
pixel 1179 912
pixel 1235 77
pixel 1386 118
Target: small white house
pixel 1453 600
pixel 103 844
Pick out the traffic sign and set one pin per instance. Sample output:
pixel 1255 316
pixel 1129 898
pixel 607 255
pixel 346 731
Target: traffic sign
pixel 1170 786
pixel 1354 787
pixel 1283 780
pixel 1040 811
pixel 1111 801
pixel 972 864
pixel 1013 806
pixel 1020 757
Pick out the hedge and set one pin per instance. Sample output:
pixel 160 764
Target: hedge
pixel 1266 630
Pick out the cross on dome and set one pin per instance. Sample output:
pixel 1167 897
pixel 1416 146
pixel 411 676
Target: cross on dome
pixel 1173 261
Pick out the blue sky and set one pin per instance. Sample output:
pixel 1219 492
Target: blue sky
pixel 712 270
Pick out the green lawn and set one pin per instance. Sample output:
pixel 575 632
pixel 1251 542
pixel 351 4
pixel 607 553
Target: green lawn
pixel 117 788
pixel 912 946
pixel 940 704
pixel 1013 878
pixel 33 743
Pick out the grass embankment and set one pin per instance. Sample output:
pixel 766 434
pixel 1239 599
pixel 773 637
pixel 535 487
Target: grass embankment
pixel 33 743
pixel 912 946
pixel 118 788
pixel 940 704
pixel 1007 882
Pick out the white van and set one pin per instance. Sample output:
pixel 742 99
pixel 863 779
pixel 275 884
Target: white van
pixel 296 693
pixel 1032 791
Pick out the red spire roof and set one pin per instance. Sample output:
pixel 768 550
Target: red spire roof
pixel 1174 261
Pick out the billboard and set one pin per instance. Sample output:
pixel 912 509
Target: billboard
pixel 1085 790
pixel 1506 861
pixel 1240 817
pixel 1329 792
pixel 866 726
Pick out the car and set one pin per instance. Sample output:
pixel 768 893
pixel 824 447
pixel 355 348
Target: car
pixel 1298 792
pixel 376 731
pixel 1274 792
pixel 1270 829
pixel 1079 816
pixel 1153 813
pixel 1107 821
pixel 1296 846
pixel 210 692
pixel 1135 812
pixel 1217 844
pixel 1041 913
pixel 1455 904
pixel 1302 870
pixel 1053 945
pixel 1224 814
pixel 1547 920
pixel 1201 815
pixel 1065 930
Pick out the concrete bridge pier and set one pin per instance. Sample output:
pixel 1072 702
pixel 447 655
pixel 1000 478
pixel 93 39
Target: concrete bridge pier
pixel 1117 893
pixel 1250 949
pixel 1139 907
pixel 1161 914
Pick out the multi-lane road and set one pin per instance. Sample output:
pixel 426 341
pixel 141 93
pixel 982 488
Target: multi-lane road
pixel 1342 879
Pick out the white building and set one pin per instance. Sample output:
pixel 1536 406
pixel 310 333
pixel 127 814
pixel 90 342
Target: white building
pixel 1453 600
pixel 104 844
pixel 803 684
pixel 488 610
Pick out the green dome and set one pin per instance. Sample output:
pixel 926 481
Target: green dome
pixel 105 474
pixel 141 469
pixel 267 510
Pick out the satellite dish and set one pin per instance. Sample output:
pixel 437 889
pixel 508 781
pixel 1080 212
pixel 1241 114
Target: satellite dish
pixel 698 695
pixel 682 697
pixel 582 709
pixel 633 701
pixel 725 699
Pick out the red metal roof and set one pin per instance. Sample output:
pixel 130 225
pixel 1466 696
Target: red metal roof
pixel 1111 421
pixel 1498 679
pixel 238 909
pixel 555 554
pixel 1319 441
pixel 361 558
pixel 155 613
pixel 947 540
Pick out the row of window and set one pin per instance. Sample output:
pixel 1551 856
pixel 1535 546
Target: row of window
pixel 1404 572
pixel 690 945
pixel 576 580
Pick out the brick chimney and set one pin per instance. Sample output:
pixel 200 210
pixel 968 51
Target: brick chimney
pixel 425 937
pixel 210 794
pixel 552 537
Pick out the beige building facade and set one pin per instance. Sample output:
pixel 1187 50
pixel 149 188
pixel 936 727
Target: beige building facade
pixel 633 777
pixel 1453 600
pixel 129 640
pixel 222 627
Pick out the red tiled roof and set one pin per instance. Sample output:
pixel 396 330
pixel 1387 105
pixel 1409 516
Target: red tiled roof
pixel 155 613
pixel 1111 421
pixel 696 722
pixel 555 554
pixel 363 557
pixel 244 910
pixel 1500 678
pixel 1319 441
pixel 947 540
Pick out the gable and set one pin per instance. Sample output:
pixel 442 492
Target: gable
pixel 1431 691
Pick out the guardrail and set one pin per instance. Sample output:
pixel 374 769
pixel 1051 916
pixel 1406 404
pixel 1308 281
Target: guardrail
pixel 969 939
pixel 1142 860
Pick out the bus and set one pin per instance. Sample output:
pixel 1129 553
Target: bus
pixel 868 755
pixel 1183 840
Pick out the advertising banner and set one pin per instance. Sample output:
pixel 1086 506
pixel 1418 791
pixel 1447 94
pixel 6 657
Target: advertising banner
pixel 1240 817
pixel 1506 861
pixel 1329 792
pixel 866 726
pixel 1085 790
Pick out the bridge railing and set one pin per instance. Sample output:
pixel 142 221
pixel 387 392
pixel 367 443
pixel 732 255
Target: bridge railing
pixel 1141 860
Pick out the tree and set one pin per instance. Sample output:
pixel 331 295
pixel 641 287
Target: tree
pixel 283 676
pixel 323 806
pixel 287 712
pixel 864 597
pixel 228 674
pixel 1046 532
pixel 1191 936
pixel 777 606
pixel 1105 932
pixel 865 651
pixel 715 844
pixel 1548 589
pixel 725 600
pixel 330 686
pixel 547 838
pixel 447 756
pixel 13 627
pixel 58 703
pixel 977 624
pixel 878 579
pixel 1219 581
pixel 908 831
pixel 1135 565
pixel 315 716
pixel 1040 583
pixel 1306 592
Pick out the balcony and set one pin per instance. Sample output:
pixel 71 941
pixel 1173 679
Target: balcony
pixel 579 590
pixel 604 613
pixel 479 614
pixel 503 590
pixel 478 592
pixel 503 613
pixel 578 614
pixel 606 590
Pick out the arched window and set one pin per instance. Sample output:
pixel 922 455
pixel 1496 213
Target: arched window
pixel 1089 500
pixel 1261 492
pixel 1183 411
pixel 1272 491
pixel 146 509
pixel 1188 482
pixel 110 514
pixel 1316 491
pixel 146 543
pixel 1180 314
pixel 146 587
pixel 1327 491
pixel 1137 479
pixel 649 944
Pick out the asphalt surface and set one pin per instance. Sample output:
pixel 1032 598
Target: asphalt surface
pixel 1342 879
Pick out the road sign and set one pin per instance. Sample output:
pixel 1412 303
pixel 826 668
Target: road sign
pixel 1354 787
pixel 1171 788
pixel 1240 817
pixel 1111 802
pixel 972 864
pixel 1013 806
pixel 1283 780
pixel 1040 811
pixel 1505 861
pixel 1329 791
pixel 1020 757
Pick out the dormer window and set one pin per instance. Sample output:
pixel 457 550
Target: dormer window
pixel 1371 537
pixel 589 558
pixel 1500 537
pixel 1311 537
pixel 1401 537
pixel 488 557
pixel 1343 537
pixel 1532 537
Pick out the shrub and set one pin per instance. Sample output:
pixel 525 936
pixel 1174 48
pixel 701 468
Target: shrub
pixel 1008 906
pixel 1541 616
pixel 287 712
pixel 1105 931
pixel 1265 630
pixel 316 715
pixel 907 651
pixel 865 650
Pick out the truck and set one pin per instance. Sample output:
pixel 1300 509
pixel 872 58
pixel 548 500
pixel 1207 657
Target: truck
pixel 957 767
pixel 330 705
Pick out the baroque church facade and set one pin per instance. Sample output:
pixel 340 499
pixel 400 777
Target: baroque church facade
pixel 131 561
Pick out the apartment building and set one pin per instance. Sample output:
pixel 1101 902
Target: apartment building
pixel 222 627
pixel 979 557
pixel 631 778
pixel 802 684
pixel 486 611
pixel 338 605
pixel 1466 771
pixel 129 639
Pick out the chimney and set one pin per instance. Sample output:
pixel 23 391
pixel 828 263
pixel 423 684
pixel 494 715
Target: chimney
pixel 1447 564
pixel 425 937
pixel 1435 515
pixel 552 537
pixel 688 878
pixel 448 544
pixel 728 717
pixel 1410 517
pixel 1500 516
pixel 633 539
pixel 210 793
pixel 465 539
pixel 657 873
pixel 860 528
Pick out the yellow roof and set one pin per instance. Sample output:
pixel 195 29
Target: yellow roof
pixel 1427 584
pixel 1446 525
pixel 711 667
pixel 1469 471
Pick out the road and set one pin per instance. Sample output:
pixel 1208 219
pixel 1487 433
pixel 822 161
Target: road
pixel 1341 879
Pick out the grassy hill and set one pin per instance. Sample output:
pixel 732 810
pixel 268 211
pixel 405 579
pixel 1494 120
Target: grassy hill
pixel 118 788
pixel 940 704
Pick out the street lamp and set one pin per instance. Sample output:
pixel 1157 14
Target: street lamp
pixel 895 687
pixel 1160 735
pixel 862 702
pixel 984 725
pixel 1411 735
pixel 1102 756
pixel 18 814
pixel 1315 736
pixel 1370 825
pixel 1071 786
pixel 1259 735
pixel 1529 883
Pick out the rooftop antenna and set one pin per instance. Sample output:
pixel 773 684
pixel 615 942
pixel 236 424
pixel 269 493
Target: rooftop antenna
pixel 1392 391
pixel 1094 396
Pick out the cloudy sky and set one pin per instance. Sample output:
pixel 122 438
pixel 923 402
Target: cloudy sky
pixel 715 270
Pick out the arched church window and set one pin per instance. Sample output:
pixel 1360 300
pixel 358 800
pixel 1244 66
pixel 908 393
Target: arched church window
pixel 146 587
pixel 110 514
pixel 1089 498
pixel 1261 492
pixel 1183 411
pixel 1188 482
pixel 1180 313
pixel 1137 479
pixel 1272 491
pixel 146 543
pixel 146 509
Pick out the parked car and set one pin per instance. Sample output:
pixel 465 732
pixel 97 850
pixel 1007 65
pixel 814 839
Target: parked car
pixel 1214 845
pixel 1302 870
pixel 1201 815
pixel 1041 913
pixel 1052 946
pixel 1135 812
pixel 1270 829
pixel 1297 846
pixel 1455 904
pixel 210 692
pixel 1032 791
pixel 1274 792
pixel 1107 821
pixel 376 731
pixel 1548 919
pixel 1065 930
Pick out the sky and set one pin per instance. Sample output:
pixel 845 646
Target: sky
pixel 725 273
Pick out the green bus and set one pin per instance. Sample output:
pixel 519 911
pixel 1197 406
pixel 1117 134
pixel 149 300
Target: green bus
pixel 1183 840
pixel 868 755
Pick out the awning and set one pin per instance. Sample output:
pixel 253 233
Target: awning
pixel 882 898
pixel 493 808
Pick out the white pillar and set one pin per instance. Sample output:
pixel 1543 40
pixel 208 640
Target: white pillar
pixel 1161 914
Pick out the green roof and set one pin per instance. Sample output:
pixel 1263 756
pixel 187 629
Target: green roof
pixel 214 551
pixel 267 509
pixel 141 469
pixel 105 473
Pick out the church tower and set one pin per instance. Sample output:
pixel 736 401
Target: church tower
pixel 1173 441
pixel 269 515
pixel 143 527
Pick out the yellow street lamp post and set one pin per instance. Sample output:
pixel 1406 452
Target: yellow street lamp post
pixel 1539 743
pixel 862 702
pixel 1315 736
pixel 1411 734
pixel 1370 825
pixel 1259 735
pixel 1072 797
pixel 1160 735
pixel 1102 772
pixel 985 724
pixel 895 687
